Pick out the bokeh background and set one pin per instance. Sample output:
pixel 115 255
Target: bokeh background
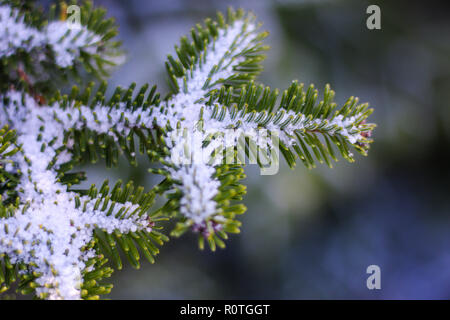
pixel 312 234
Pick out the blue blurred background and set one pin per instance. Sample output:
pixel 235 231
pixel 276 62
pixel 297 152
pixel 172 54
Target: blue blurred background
pixel 312 234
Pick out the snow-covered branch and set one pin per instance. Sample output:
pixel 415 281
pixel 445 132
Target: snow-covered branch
pixel 53 232
pixel 50 230
pixel 65 39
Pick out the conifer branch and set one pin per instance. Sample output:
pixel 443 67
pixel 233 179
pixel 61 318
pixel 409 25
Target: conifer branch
pixel 54 238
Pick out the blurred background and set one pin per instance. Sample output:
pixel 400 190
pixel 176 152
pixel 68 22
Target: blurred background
pixel 312 234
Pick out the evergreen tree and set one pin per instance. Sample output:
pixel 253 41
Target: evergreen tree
pixel 55 239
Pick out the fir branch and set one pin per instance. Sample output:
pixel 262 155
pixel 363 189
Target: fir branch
pixel 53 237
pixel 52 226
pixel 32 49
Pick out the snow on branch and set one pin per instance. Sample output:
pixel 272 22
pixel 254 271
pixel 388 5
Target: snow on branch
pixel 52 226
pixel 213 104
pixel 64 38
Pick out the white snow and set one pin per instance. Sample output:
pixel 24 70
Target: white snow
pixel 65 39
pixel 51 232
